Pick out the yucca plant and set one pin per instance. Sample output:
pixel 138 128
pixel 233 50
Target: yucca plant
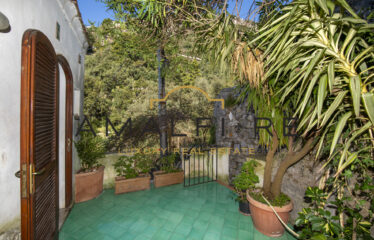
pixel 318 59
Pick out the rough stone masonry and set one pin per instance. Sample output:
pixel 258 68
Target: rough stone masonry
pixel 235 131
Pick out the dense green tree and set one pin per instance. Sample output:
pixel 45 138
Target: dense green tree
pixel 121 78
pixel 161 20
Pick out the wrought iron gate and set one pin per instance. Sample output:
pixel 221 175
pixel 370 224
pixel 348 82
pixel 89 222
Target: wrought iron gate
pixel 199 165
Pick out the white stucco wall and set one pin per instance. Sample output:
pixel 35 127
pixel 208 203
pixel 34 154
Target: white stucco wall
pixel 61 142
pixel 41 15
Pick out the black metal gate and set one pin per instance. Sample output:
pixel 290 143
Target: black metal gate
pixel 199 164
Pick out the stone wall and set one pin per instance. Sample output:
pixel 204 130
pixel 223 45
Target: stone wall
pixel 296 180
pixel 235 131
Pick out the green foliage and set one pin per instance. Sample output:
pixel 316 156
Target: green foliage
pixel 325 63
pixel 90 149
pixel 132 166
pixel 125 167
pixel 121 72
pixel 167 163
pixel 121 78
pixel 246 179
pixel 268 9
pixel 318 222
pixel 144 162
pixel 230 101
pixel 212 135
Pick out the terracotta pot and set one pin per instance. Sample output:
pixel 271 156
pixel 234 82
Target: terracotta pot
pixel 123 185
pixel 265 220
pixel 88 185
pixel 165 179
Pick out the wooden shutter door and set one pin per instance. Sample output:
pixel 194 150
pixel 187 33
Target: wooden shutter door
pixel 39 138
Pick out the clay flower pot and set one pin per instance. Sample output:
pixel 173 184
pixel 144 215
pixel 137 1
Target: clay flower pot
pixel 265 220
pixel 165 179
pixel 123 185
pixel 88 185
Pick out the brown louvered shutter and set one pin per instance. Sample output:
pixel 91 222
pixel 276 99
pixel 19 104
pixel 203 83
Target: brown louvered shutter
pixel 43 137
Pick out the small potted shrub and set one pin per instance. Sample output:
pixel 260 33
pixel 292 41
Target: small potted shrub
pixel 169 174
pixel 247 179
pixel 89 179
pixel 133 173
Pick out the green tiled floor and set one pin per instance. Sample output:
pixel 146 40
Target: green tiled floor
pixel 202 212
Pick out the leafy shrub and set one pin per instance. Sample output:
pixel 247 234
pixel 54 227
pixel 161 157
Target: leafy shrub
pixel 318 222
pixel 125 167
pixel 132 166
pixel 167 163
pixel 144 162
pixel 90 149
pixel 247 179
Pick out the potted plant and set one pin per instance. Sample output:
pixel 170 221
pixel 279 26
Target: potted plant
pixel 133 173
pixel 169 173
pixel 247 179
pixel 89 179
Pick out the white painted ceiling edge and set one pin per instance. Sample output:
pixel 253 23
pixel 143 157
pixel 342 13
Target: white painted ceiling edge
pixel 73 16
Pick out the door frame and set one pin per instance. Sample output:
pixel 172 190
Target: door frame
pixel 27 129
pixel 68 129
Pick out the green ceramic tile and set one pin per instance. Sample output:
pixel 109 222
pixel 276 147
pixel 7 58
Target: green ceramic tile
pixel 184 229
pixel 170 225
pixel 162 234
pixel 201 225
pixel 246 226
pixel 206 211
pixel 196 234
pixel 212 235
pixel 82 232
pixel 192 213
pixel 229 231
pixel 216 221
pixel 227 238
pixel 214 228
pixel 97 236
pixel 244 235
pixel 150 231
pixel 128 236
pixel 139 226
pixel 142 237
pixel 66 236
pixel 188 220
pixel 177 236
pixel 205 216
pixel 158 222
